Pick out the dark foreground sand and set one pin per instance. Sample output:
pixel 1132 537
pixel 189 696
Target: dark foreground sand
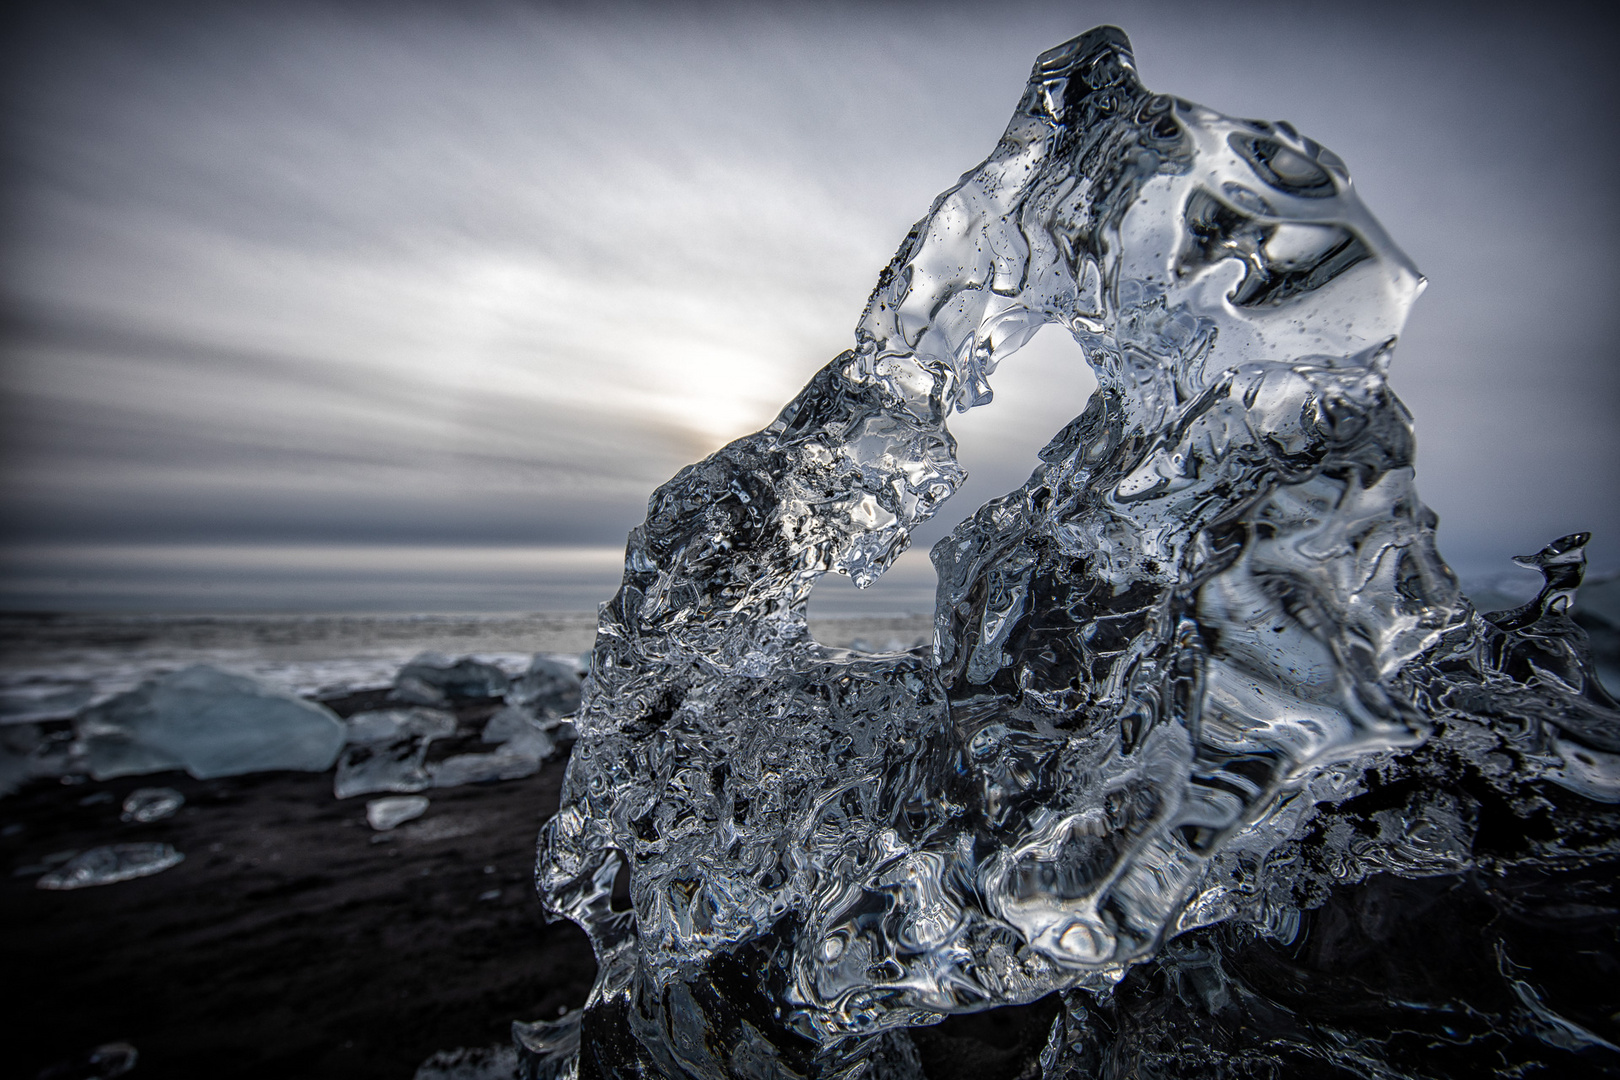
pixel 295 942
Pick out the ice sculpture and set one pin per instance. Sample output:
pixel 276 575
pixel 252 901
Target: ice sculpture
pixel 1202 674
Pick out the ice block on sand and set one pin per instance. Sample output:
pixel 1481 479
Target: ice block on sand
pixel 210 723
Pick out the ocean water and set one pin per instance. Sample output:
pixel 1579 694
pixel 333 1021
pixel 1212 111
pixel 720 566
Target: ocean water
pixel 52 665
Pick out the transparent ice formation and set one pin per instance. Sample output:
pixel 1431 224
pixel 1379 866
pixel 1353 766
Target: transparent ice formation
pixel 518 756
pixel 107 865
pixel 387 750
pixel 519 731
pixel 1200 692
pixel 395 810
pixel 150 804
pixel 550 685
pixel 208 722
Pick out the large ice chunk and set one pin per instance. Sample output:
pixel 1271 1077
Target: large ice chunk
pixel 1201 677
pixel 210 723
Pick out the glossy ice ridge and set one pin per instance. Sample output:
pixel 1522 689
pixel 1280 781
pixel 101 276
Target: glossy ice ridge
pixel 1163 672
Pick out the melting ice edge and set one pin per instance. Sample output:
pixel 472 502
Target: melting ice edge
pixel 1208 741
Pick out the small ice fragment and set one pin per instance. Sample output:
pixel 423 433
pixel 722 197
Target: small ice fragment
pixel 385 814
pixel 106 865
pixel 550 683
pixel 528 738
pixel 507 723
pixel 152 804
pixel 524 744
pixel 502 764
pixel 434 679
pixel 383 767
pixel 519 756
pixel 386 751
pixel 210 723
pixel 102 1063
pixel 490 894
pixel 480 1063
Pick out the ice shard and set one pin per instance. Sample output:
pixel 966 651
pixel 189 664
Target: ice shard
pixel 111 864
pixel 1198 686
pixel 387 750
pixel 148 804
pixel 395 810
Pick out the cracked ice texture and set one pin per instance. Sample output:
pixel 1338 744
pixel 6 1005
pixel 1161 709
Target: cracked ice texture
pixel 1215 608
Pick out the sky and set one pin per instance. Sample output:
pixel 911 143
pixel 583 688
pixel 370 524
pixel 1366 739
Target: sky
pixel 410 306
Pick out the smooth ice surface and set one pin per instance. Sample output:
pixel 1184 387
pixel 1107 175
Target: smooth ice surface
pixel 210 723
pixel 518 756
pixel 107 865
pixel 1202 686
pixel 151 804
pixel 386 813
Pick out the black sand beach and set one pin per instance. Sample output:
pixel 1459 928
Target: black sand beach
pixel 293 940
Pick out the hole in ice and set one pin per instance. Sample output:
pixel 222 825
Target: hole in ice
pixel 1038 390
pixel 620 900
